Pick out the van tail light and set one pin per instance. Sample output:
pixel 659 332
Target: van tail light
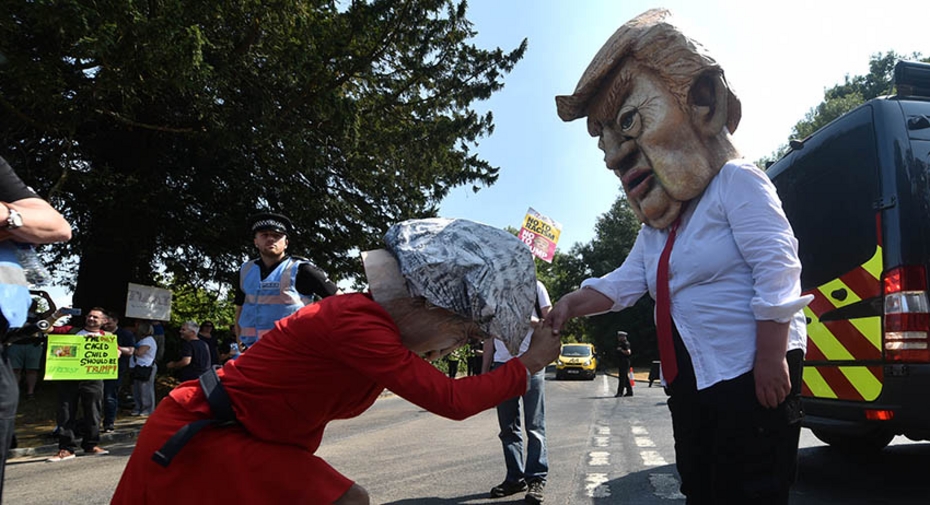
pixel 907 315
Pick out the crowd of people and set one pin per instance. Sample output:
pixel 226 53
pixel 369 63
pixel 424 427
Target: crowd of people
pixel 87 408
pixel 715 252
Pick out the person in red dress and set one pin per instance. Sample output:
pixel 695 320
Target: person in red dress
pixel 332 359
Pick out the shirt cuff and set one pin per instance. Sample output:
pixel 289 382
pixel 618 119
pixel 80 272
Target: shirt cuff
pixel 781 313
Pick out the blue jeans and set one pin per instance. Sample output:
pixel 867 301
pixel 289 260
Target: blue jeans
pixel 143 393
pixel 534 418
pixel 111 399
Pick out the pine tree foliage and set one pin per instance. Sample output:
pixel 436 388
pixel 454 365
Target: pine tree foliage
pixel 157 127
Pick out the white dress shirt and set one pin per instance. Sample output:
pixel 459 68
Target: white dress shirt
pixel 734 262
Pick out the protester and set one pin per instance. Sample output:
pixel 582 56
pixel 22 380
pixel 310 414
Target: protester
pixel 125 341
pixel 530 474
pixel 26 219
pixel 427 298
pixel 275 285
pixel 26 356
pixel 228 350
pixel 716 253
pixel 89 393
pixel 158 333
pixel 144 370
pixel 205 333
pixel 194 355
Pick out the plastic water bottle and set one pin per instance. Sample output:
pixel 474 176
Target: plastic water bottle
pixel 36 273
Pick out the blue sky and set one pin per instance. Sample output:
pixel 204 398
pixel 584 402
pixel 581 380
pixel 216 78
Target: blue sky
pixel 778 56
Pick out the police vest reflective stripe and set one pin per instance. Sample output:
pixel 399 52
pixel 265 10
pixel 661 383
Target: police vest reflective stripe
pixel 14 289
pixel 844 352
pixel 270 299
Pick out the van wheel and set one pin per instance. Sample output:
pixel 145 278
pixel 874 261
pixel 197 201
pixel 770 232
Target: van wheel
pixel 861 444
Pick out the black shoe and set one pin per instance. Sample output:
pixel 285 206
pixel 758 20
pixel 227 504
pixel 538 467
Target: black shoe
pixel 630 394
pixel 534 493
pixel 507 488
pixel 108 429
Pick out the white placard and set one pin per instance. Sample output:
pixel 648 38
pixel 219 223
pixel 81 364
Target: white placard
pixel 147 302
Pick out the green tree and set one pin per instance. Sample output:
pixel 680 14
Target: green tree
pixel 190 303
pixel 158 127
pixel 615 232
pixel 842 98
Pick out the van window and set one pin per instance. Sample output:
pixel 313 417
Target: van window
pixel 576 351
pixel 828 194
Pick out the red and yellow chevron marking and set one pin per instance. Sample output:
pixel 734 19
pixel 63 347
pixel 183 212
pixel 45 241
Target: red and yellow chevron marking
pixel 845 340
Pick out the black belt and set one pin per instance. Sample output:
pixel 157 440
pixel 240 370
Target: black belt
pixel 223 415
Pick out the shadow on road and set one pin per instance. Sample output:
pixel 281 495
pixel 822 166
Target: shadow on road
pixel 461 500
pixel 897 474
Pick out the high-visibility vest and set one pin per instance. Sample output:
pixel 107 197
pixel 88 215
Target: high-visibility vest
pixel 270 299
pixel 14 289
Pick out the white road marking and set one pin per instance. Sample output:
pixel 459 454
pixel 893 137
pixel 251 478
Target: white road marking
pixel 594 485
pixel 652 458
pixel 665 486
pixel 599 458
pixel 638 430
pixel 644 442
pixel 603 430
pixel 601 441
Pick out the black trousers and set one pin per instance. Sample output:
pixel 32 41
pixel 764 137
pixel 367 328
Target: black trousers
pixel 9 398
pixel 623 375
pixel 90 395
pixel 729 449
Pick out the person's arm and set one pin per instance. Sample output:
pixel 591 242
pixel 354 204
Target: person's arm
pixel 181 363
pixel 766 242
pixel 238 329
pixel 581 302
pixel 42 224
pixel 770 369
pixel 141 350
pixel 311 280
pixel 544 349
pixel 487 355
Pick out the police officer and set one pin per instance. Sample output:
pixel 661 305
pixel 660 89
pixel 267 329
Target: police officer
pixel 274 285
pixel 24 219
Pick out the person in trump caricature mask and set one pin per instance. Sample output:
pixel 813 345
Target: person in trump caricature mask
pixel 716 253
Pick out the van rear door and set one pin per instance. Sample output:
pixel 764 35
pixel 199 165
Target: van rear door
pixel 830 190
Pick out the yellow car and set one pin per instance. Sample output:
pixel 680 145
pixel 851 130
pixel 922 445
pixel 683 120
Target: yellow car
pixel 576 360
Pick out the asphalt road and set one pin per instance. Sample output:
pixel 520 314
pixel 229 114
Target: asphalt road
pixel 602 450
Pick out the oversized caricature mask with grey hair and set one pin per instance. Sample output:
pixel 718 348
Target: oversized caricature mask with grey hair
pixel 662 112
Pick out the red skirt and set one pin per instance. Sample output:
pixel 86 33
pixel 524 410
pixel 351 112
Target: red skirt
pixel 222 465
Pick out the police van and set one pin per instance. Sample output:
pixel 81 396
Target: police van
pixel 857 193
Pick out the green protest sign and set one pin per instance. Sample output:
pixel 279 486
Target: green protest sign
pixel 81 357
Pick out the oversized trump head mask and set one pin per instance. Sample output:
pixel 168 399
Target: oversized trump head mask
pixel 662 112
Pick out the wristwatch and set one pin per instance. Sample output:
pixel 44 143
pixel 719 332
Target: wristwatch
pixel 14 220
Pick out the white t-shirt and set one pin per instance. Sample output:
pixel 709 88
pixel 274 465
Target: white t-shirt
pixel 148 357
pixel 501 354
pixel 734 262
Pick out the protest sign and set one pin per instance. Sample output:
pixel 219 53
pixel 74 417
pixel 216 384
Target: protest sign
pixel 147 302
pixel 541 234
pixel 81 357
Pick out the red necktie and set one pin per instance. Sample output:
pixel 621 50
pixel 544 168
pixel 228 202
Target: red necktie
pixel 664 310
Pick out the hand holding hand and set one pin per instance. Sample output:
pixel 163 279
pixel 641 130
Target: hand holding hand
pixel 558 316
pixel 544 348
